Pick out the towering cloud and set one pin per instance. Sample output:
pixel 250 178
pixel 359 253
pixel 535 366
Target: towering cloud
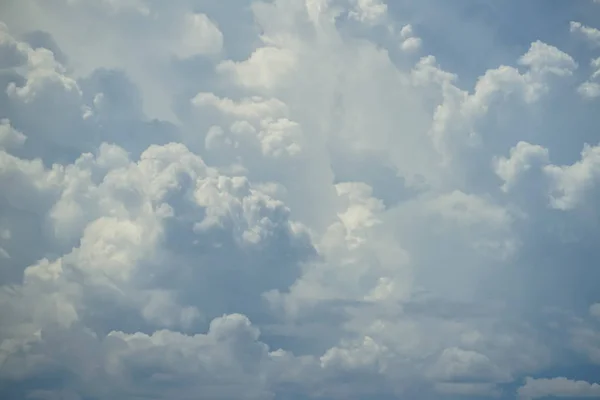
pixel 293 199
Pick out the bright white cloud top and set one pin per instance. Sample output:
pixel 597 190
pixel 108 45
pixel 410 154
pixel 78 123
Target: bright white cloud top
pixel 299 199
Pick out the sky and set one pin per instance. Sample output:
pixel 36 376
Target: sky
pixel 299 199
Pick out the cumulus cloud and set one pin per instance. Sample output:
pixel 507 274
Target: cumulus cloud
pixel 591 34
pixel 10 137
pixel 296 199
pixel 590 89
pixel 410 42
pixel 368 11
pixel 558 387
pixel 200 36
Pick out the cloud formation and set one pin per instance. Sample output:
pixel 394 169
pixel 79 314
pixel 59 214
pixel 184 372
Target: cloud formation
pixel 297 199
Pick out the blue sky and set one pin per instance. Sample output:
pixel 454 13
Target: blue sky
pixel 299 199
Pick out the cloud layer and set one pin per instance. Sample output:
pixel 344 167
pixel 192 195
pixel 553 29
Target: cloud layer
pixel 294 199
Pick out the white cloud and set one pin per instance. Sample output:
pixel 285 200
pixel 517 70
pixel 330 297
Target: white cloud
pixel 406 31
pixel 222 363
pixel 369 11
pixel 543 58
pixel 458 122
pixel 523 158
pixel 324 216
pixel 558 387
pixel 572 183
pixel 564 186
pixel 457 364
pixel 200 36
pixel 591 88
pixel 255 107
pixel 410 42
pixel 10 137
pixel 592 35
pixel 266 68
pixel 356 356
